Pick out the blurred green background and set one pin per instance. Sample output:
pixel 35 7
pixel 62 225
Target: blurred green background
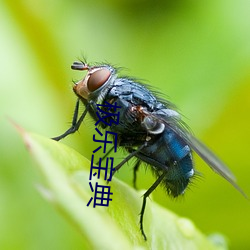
pixel 196 53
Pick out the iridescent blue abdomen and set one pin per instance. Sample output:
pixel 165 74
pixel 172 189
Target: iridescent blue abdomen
pixel 170 153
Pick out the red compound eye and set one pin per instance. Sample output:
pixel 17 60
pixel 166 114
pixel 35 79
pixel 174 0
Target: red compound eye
pixel 97 79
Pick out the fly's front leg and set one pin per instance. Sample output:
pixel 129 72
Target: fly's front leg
pixel 145 196
pixel 75 123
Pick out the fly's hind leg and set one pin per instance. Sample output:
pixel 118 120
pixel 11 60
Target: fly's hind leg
pixel 144 201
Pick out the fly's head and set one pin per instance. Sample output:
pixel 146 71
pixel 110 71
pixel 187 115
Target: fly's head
pixel 92 86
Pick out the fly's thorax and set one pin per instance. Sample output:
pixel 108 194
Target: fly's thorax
pixel 152 125
pixel 94 85
pixel 153 122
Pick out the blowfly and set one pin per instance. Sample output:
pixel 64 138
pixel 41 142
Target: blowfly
pixel 150 129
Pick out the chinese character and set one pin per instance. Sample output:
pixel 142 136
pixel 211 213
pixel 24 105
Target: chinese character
pixel 101 197
pixel 106 117
pixel 99 168
pixel 109 106
pixel 106 140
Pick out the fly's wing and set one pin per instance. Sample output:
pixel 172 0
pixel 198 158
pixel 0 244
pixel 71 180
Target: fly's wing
pixel 175 124
pixel 212 160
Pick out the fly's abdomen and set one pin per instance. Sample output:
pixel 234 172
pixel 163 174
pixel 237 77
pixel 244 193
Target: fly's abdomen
pixel 169 154
pixel 180 165
pixel 178 176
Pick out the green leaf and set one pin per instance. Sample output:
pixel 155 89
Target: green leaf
pixel 66 176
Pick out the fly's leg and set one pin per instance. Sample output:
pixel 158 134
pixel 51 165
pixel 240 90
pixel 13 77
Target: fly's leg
pixel 136 167
pixel 128 158
pixel 75 123
pixel 106 155
pixel 145 196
